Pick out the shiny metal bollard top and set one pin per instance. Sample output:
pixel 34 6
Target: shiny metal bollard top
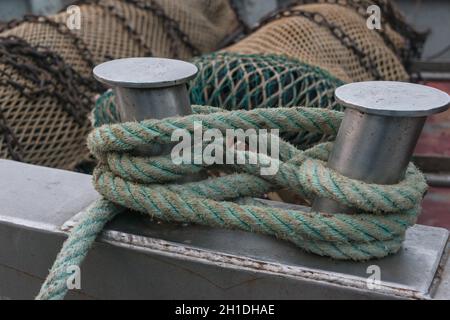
pixel 148 88
pixel 382 123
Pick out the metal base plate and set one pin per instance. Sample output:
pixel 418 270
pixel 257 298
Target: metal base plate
pixel 184 261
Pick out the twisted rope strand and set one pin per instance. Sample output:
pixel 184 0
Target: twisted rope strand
pixel 76 247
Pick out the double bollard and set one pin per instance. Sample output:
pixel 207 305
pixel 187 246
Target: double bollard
pixel 382 122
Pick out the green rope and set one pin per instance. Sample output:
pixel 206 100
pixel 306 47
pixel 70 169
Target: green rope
pixel 149 185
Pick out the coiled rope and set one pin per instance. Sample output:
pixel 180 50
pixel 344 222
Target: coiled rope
pixel 148 185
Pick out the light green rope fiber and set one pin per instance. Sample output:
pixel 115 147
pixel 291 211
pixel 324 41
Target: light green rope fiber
pixel 148 185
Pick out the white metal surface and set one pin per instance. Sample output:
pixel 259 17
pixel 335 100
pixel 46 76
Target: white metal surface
pixel 390 98
pixel 145 72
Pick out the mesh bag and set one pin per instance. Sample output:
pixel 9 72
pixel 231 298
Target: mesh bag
pixel 401 37
pixel 46 88
pixel 335 37
pixel 249 81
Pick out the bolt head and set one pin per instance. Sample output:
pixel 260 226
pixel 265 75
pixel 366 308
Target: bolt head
pixel 395 99
pixel 144 72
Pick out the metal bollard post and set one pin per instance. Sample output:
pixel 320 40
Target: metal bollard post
pixel 382 123
pixel 148 88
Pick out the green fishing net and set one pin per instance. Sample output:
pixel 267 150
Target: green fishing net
pixel 248 81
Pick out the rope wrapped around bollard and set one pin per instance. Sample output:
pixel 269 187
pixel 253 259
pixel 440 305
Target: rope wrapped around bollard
pixel 148 185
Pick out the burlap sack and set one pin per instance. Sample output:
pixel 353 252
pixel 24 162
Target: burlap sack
pixel 46 87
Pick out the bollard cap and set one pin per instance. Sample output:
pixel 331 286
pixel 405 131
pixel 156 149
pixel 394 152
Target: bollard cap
pixel 145 72
pixel 390 98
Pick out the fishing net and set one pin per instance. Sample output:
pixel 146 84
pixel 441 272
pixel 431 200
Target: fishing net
pixel 410 43
pixel 46 87
pixel 249 81
pixel 299 55
pixel 241 81
pixel 334 36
